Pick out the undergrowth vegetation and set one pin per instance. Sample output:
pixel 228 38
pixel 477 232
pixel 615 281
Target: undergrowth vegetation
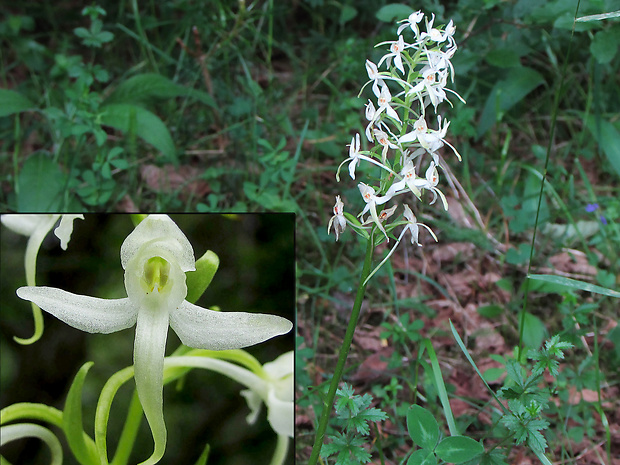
pixel 249 105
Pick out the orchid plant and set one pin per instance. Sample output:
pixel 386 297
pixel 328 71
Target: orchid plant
pixel 401 144
pixel 162 279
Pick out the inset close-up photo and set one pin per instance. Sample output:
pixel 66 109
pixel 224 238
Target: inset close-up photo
pixel 147 339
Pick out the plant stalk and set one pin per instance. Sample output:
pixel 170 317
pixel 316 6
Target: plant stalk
pixel 328 403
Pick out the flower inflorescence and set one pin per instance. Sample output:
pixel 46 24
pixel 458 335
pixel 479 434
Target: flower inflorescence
pixel 397 126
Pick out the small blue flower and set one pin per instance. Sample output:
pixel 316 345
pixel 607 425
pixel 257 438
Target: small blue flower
pixel 591 207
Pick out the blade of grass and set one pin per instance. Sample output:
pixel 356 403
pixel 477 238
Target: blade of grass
pixel 574 284
pixel 441 387
pixel 459 341
pixel 599 403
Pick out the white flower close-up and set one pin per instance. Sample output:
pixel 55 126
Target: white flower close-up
pixel 155 256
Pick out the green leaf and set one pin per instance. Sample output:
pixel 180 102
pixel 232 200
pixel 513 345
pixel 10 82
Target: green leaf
pixel 13 102
pixel 461 345
pixel 202 460
pixel 441 387
pixel 72 420
pixel 350 449
pixel 493 374
pixel 199 280
pixel 575 284
pixel 360 421
pixel 514 372
pixel 393 12
pixel 458 449
pixel 145 87
pixel 503 58
pixel 607 138
pixel 347 13
pixel 81 32
pixel 506 93
pixel 604 46
pixel 422 427
pixel 422 457
pixel 40 186
pixel 490 311
pixel 613 14
pixel 533 330
pixel 147 125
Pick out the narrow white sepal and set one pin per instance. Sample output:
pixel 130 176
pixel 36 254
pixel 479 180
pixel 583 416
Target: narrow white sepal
pixel 207 329
pixel 82 312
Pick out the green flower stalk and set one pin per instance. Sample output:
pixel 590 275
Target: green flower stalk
pixel 155 257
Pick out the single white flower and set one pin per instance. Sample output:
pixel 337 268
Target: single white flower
pixel 355 156
pixel 378 79
pixel 155 257
pixel 384 105
pixel 36 227
pixel 385 141
pixel 429 139
pixel 372 115
pixel 338 220
pixel 396 48
pixel 408 180
pixel 430 183
pixel 372 200
pixel 433 82
pixel 413 227
pixel 375 77
pixel 273 386
pixel 438 36
pixel 386 213
pixel 276 391
pixel 412 22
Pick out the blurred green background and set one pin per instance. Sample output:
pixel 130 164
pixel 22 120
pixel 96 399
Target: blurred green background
pixel 256 274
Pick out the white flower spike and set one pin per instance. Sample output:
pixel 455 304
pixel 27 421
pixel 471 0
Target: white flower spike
pixel 155 257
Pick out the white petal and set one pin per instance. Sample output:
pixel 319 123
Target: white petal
pixel 281 366
pixel 409 137
pixel 280 415
pixel 65 228
pixel 207 329
pixel 254 402
pixel 26 225
pixel 162 229
pixel 83 312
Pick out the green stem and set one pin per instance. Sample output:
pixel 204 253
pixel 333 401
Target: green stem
pixel 279 455
pixel 328 403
